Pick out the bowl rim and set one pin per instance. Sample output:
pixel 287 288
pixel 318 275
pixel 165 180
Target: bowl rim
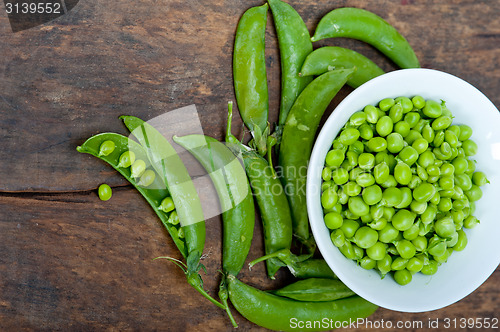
pixel 314 180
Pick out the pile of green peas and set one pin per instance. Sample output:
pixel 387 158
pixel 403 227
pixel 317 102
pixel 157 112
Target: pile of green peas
pixel 399 187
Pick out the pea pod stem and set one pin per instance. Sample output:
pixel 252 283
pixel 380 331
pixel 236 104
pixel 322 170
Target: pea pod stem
pixel 297 141
pixel 370 28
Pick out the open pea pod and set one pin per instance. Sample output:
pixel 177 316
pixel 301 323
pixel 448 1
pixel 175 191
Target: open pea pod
pixel 153 194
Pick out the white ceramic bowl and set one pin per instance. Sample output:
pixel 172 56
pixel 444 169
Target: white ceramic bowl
pixel 465 271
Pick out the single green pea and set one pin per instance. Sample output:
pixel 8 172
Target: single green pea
pixel 104 192
pixel 326 174
pixel 460 204
pixel 381 172
pixel 438 139
pixel 358 206
pixel 365 180
pixel 390 182
pixel 138 168
pixel 420 243
pixel 347 250
pixel 377 144
pixel 424 192
pixel 405 103
pixel 447 182
pixel 378 224
pixel 470 147
pixel 471 167
pixel 422 173
pixel 406 199
pixel 167 205
pixel 173 218
pixel 338 238
pixel 447 169
pixel 365 131
pixel 445 205
pixel 409 155
pixel 420 145
pixel 399 263
pixel 416 181
pixel 351 188
pixel 358 252
pixel 418 102
pixel 367 263
pixel 403 220
pixel 402 173
pixel 402 128
pixel 377 211
pixel 391 162
pixel 392 196
pixel 444 227
pixel 106 148
pixel 447 193
pixel 418 207
pixel 451 138
pixel 126 159
pixel 429 214
pixel 340 175
pixel 384 265
pixel 386 104
pixel 372 194
pixel 420 125
pixel 463 181
pixel 389 212
pixel 458 217
pixel 474 193
pixel 432 109
pixel 403 277
pixel 337 145
pixel 455 129
pixel 395 142
pixel 452 240
pixel 147 178
pixel 388 233
pixel 384 126
pixel 396 112
pixel 414 265
pixel 371 113
pixel 461 241
pixel 471 222
pixel 479 178
pixel 377 251
pixel 431 268
pixel 333 220
pixel 365 237
pixel 357 119
pixel 428 133
pixel 329 198
pixel 412 118
pixel 441 122
pixel 433 170
pixel 443 258
pixel 436 246
pixel 445 149
pixel 465 132
pixel 334 158
pixel 366 218
pixel 353 174
pixel 412 232
pixel 426 159
pixel 348 136
pixel 435 199
pixel 352 158
pixel 366 161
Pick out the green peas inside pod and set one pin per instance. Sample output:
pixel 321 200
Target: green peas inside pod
pixel 400 185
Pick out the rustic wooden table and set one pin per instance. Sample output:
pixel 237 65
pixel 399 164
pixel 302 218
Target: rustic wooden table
pixel 71 262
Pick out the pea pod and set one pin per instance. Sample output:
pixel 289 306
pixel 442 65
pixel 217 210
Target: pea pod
pixel 249 73
pixel 168 164
pixel 297 140
pixel 295 44
pixel 370 28
pixel 329 58
pixel 315 290
pixel 278 313
pixel 153 194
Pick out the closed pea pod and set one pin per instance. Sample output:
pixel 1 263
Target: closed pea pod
pixel 370 28
pixel 315 290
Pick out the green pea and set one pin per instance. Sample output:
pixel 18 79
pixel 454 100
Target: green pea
pixel 173 218
pixel 349 227
pixel 422 173
pixel 378 224
pixel 389 212
pixel 366 219
pixel 474 193
pixel 451 138
pixel 395 142
pixel 377 211
pixel 391 162
pixel 147 178
pixel 167 205
pixel 388 233
pixel 435 199
pixel 445 149
pixel 479 179
pixel 104 192
pixel 340 175
pixel 326 174
pixel 420 243
pixel 403 220
pixel 424 192
pixel 338 238
pixel 461 241
pixel 106 148
pixel 432 109
pixel 445 204
pixel 406 199
pixel 403 277
pixel 447 182
pixel 418 207
pixel 428 133
pixel 334 158
pixel 447 169
pixel 333 220
pixel 365 131
pixel 365 237
pixel 377 251
pixel 412 119
pixel 420 125
pixel 439 138
pixel 390 182
pixel 426 159
pixel 381 172
pixel 409 155
pixel 441 122
pixel 416 181
pixel 384 126
pixel 386 104
pixel 352 158
pixel 405 102
pixel 463 181
pixel 392 196
pixel 372 194
pixel 357 119
pixel 396 112
pixel 430 268
pixel 471 222
pixel 384 265
pixel 366 161
pixel 452 240
pixel 418 102
pixel 365 180
pixel 402 128
pixel 402 173
pixel 399 263
pixel 433 170
pixel 414 265
pixel 329 198
pixel 436 246
pixel 443 258
pixel 347 250
pixel 126 159
pixel 137 168
pixel 348 136
pixel 367 263
pixel 444 227
pixel 465 132
pixel 351 188
pixel 412 232
pixel 429 214
pixel 420 145
pixel 377 144
pixel 358 206
pixel 471 167
pixel 470 147
pixel 371 114
pixel 353 174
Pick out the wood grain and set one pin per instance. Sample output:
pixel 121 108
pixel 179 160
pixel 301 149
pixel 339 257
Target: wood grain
pixel 71 262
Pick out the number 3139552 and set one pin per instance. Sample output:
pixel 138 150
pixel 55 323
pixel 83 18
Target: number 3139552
pixel 471 323
pixel 33 8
